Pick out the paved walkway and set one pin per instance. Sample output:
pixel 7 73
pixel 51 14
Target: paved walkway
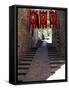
pixel 40 68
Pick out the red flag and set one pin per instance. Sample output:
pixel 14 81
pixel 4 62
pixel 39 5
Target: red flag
pixel 43 19
pixel 33 18
pixel 53 18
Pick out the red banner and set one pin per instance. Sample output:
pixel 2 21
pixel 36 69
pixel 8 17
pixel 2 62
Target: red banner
pixel 53 18
pixel 43 19
pixel 33 18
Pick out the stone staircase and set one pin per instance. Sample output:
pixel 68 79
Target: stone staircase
pixel 24 63
pixel 56 60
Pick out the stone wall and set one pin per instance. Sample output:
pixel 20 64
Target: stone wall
pixel 62 32
pixel 59 33
pixel 24 33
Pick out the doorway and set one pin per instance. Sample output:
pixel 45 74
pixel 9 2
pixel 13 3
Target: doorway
pixel 45 34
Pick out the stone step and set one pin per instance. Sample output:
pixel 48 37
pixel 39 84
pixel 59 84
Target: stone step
pixel 57 58
pixel 52 72
pixel 60 58
pixel 30 51
pixel 61 61
pixel 25 60
pixel 22 74
pixel 53 49
pixel 54 65
pixel 24 63
pixel 28 55
pixel 56 62
pixel 22 70
pixel 23 66
pixel 52 53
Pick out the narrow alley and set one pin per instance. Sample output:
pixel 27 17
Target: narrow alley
pixel 41 48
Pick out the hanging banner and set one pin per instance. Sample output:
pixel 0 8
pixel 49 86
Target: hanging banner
pixel 53 18
pixel 33 18
pixel 43 19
